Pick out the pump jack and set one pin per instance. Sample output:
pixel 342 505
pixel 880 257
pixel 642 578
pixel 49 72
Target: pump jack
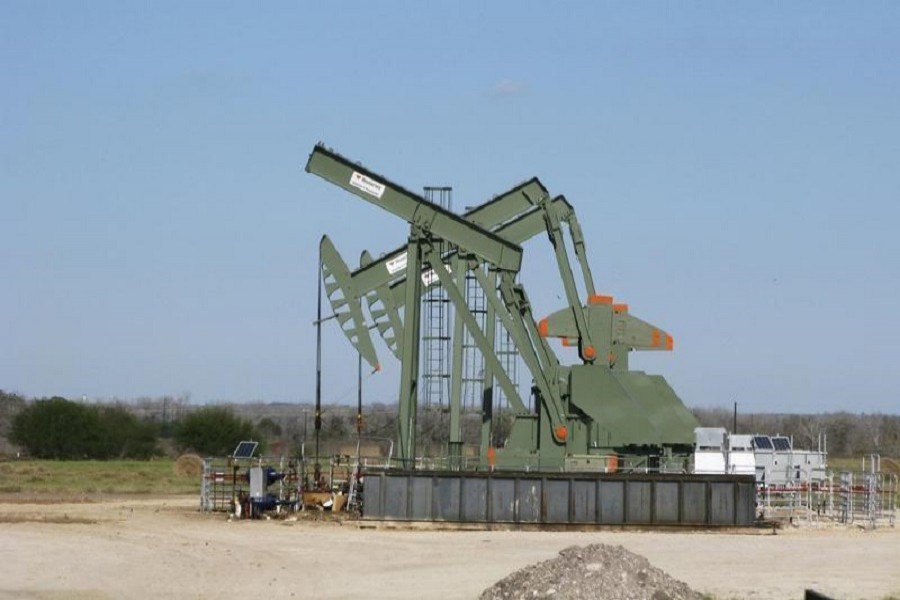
pixel 598 408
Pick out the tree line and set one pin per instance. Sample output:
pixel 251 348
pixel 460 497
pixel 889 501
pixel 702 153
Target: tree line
pixel 844 434
pixel 59 428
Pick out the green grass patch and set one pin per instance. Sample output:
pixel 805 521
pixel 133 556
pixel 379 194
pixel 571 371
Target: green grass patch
pixel 71 477
pixel 846 464
pixel 889 465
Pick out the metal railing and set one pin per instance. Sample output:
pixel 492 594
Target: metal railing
pixel 868 496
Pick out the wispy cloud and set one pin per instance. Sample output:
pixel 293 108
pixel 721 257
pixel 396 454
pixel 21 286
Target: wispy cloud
pixel 509 87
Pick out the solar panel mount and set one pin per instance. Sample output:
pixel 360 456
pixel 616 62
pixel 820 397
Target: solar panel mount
pixel 782 444
pixel 762 442
pixel 245 449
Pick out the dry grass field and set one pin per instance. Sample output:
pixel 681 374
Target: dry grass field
pixel 68 479
pixel 116 539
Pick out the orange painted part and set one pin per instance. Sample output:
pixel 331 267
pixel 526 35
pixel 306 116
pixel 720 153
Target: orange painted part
pixel 620 308
pixel 491 456
pixel 543 327
pixel 600 299
pixel 654 338
pixel 590 353
pixel 612 463
pixel 611 358
pixel 568 343
pixel 561 433
pixel 670 342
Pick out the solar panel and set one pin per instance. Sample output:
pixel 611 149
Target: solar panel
pixel 245 449
pixel 762 442
pixel 782 443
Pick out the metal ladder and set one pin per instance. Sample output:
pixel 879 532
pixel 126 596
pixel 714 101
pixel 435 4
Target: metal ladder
pixel 473 361
pixel 354 502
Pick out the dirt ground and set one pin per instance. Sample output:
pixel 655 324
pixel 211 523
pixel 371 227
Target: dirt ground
pixel 142 547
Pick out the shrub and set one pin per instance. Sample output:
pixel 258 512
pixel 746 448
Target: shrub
pixel 124 436
pixel 59 428
pixel 212 431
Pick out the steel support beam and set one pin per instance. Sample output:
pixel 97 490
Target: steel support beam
pixel 409 364
pixel 456 372
pixel 487 391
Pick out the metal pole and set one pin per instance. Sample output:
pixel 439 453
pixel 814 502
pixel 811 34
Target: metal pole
pixel 318 415
pixel 734 421
pixel 359 398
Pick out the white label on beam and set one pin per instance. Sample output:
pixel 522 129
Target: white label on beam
pixel 367 184
pixel 429 277
pixel 396 264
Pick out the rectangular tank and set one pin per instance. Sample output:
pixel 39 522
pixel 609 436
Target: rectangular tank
pixel 560 498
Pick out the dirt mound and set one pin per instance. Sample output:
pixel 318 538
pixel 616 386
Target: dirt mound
pixel 188 465
pixel 595 572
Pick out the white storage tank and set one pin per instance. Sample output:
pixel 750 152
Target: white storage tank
pixel 741 460
pixel 709 450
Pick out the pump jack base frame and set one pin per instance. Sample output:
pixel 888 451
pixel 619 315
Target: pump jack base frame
pixel 559 499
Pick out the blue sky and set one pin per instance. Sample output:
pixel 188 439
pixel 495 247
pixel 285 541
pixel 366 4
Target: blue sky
pixel 734 167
